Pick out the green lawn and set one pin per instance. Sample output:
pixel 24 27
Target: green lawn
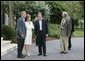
pixel 79 33
pixel 54 31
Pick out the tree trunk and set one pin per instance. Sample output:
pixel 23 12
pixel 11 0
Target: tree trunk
pixel 11 13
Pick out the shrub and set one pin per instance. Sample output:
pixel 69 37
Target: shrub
pixel 54 30
pixel 8 32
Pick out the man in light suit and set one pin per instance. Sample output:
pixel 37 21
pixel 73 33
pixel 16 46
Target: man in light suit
pixel 65 32
pixel 41 31
pixel 21 33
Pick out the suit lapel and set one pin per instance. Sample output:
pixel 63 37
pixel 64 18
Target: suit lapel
pixel 38 24
pixel 43 23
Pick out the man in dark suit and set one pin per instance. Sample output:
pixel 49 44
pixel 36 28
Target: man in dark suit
pixel 69 42
pixel 41 31
pixel 21 33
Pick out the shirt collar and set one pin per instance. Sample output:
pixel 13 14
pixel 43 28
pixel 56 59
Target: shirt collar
pixel 23 18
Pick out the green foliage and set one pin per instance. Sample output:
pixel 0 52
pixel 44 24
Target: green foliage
pixel 74 8
pixel 76 23
pixel 4 6
pixel 54 31
pixel 56 9
pixel 31 7
pixel 81 24
pixel 51 10
pixel 8 32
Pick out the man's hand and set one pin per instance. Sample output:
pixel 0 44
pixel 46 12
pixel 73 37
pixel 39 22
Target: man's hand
pixel 22 35
pixel 46 35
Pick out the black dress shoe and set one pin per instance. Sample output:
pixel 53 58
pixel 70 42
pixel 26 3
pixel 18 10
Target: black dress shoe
pixel 39 54
pixel 65 52
pixel 44 55
pixel 22 56
pixel 69 48
pixel 61 52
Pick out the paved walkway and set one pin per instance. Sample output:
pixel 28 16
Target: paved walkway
pixel 76 53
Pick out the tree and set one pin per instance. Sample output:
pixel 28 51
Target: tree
pixel 7 7
pixel 32 8
pixel 56 9
pixel 11 20
pixel 4 9
pixel 74 8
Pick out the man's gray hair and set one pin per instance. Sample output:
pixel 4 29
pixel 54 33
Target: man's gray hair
pixel 23 12
pixel 65 15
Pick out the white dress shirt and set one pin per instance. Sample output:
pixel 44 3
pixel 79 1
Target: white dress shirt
pixel 40 24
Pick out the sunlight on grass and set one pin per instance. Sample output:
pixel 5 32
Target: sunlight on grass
pixel 79 33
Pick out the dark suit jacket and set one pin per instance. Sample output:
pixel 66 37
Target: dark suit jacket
pixel 44 30
pixel 72 25
pixel 21 29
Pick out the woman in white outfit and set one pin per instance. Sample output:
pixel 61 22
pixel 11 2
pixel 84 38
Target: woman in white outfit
pixel 28 39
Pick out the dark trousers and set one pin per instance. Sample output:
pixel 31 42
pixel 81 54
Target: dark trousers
pixel 42 45
pixel 69 42
pixel 20 43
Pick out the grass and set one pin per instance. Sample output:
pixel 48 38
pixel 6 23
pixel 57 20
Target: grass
pixel 79 33
pixel 54 31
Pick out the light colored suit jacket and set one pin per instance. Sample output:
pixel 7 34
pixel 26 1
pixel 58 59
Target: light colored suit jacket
pixel 66 27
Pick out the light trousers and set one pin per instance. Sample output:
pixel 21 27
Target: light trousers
pixel 64 43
